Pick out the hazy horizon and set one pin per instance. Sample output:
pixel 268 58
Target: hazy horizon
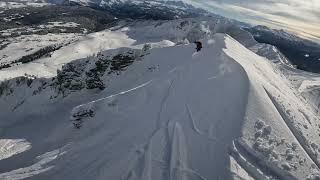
pixel 300 17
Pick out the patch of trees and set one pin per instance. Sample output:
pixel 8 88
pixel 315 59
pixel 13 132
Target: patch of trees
pixel 43 52
pixel 4 45
pixel 46 51
pixel 88 18
pixel 89 73
pixel 5 88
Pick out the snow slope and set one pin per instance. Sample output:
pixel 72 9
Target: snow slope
pixel 222 113
pixel 21 3
pixel 28 44
pixel 47 67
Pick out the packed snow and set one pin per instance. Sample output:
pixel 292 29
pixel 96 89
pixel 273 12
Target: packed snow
pixel 171 113
pixel 27 44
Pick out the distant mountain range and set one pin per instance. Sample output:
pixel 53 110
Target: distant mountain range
pixel 141 9
pixel 303 53
pixel 300 52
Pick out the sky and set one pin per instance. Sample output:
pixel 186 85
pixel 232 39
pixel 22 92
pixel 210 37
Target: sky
pixel 299 16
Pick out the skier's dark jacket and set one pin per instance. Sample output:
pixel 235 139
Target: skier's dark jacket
pixel 199 45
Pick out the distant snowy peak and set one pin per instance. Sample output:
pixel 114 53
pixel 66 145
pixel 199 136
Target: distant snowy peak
pixel 177 6
pixel 84 2
pixel 111 3
pixel 134 9
pixel 276 32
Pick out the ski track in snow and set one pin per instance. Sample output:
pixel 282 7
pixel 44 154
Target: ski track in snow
pixel 90 104
pixel 250 168
pixel 163 104
pixel 255 164
pixel 37 168
pixel 11 147
pixel 175 163
pixel 194 126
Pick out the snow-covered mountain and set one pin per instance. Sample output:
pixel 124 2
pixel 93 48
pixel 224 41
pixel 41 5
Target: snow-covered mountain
pixel 161 112
pixel 143 9
pixel 95 94
pixel 156 9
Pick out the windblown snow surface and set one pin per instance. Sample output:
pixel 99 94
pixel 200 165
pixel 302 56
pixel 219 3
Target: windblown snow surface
pixel 221 113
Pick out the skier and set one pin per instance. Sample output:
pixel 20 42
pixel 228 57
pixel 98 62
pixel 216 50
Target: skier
pixel 199 45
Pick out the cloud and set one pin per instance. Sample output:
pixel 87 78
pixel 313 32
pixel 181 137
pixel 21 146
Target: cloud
pixel 299 16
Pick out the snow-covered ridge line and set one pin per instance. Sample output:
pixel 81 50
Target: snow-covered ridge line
pixel 257 72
